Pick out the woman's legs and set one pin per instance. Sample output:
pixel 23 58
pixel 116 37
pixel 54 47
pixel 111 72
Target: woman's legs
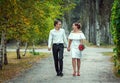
pixel 78 66
pixel 74 66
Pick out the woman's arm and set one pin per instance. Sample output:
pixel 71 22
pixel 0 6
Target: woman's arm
pixel 69 44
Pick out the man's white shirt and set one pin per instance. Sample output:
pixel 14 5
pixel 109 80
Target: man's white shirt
pixel 57 36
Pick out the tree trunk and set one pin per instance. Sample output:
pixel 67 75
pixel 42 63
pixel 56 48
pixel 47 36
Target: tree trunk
pixel 97 23
pixel 33 48
pixel 87 29
pixel 1 51
pixel 94 16
pixel 92 22
pixel 18 50
pixel 1 57
pixel 26 46
pixel 4 48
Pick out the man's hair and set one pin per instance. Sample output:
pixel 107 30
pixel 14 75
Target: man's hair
pixel 56 22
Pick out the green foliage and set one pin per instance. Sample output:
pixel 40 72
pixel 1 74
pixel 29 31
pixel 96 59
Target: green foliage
pixel 34 53
pixel 30 20
pixel 115 30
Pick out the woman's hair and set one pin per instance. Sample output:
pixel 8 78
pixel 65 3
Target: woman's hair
pixel 56 22
pixel 78 25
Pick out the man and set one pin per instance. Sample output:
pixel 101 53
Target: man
pixel 57 39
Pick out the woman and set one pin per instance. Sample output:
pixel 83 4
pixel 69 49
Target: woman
pixel 75 38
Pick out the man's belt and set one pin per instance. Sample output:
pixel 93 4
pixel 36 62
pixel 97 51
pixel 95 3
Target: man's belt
pixel 57 43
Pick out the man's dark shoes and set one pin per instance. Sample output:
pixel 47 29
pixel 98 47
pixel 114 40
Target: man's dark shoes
pixel 61 74
pixel 58 74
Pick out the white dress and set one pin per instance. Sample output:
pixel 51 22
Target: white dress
pixel 76 37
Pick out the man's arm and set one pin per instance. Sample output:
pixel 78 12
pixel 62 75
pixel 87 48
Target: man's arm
pixel 50 41
pixel 65 39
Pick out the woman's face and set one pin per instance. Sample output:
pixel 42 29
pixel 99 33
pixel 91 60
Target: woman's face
pixel 74 27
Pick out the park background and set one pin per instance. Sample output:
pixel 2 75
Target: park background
pixel 26 24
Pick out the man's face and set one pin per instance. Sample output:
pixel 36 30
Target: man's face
pixel 58 25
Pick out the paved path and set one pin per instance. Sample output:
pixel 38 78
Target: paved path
pixel 95 68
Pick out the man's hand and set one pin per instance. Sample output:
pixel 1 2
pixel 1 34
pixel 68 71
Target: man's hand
pixel 68 49
pixel 49 49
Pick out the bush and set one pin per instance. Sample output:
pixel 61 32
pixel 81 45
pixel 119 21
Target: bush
pixel 115 30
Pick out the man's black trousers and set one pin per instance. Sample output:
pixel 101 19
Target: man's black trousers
pixel 58 50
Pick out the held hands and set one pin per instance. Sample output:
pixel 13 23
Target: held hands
pixel 68 49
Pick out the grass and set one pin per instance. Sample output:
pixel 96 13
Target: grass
pixel 114 68
pixel 107 46
pixel 102 45
pixel 115 72
pixel 30 47
pixel 108 53
pixel 38 47
pixel 16 66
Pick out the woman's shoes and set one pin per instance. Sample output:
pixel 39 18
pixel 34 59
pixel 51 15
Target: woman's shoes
pixel 78 73
pixel 74 74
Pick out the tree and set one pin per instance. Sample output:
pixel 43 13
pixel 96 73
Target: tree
pixel 94 16
pixel 28 20
pixel 115 30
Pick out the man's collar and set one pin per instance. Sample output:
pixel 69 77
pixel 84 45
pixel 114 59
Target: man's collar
pixel 56 29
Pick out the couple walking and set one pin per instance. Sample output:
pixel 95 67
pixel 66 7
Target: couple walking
pixel 56 41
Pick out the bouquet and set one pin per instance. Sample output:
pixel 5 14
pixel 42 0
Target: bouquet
pixel 81 47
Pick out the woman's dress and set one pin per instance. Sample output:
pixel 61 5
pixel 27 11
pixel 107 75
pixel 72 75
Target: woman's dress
pixel 76 37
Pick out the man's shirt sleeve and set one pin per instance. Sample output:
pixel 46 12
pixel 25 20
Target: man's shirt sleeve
pixel 50 39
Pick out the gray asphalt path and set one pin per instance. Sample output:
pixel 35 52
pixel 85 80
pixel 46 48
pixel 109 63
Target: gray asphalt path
pixel 95 68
